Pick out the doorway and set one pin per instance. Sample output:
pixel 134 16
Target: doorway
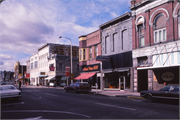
pixel 142 80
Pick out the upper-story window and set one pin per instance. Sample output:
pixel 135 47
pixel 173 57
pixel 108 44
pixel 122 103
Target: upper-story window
pixel 90 53
pixel 159 28
pixel 84 54
pixel 179 23
pixel 95 51
pixel 36 64
pixel 124 40
pixel 114 42
pixel 141 35
pixel 107 44
pixel 80 54
pixel 31 65
pixel 60 66
pixel 140 29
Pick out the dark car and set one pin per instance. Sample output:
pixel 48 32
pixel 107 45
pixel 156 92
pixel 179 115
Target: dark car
pixel 3 83
pixel 78 87
pixel 167 92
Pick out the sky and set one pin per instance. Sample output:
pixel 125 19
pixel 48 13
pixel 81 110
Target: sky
pixel 26 25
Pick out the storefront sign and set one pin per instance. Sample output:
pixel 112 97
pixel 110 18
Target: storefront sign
pixel 92 68
pixel 51 67
pixel 167 76
pixel 103 58
pixel 67 71
pixel 42 73
pixel 99 74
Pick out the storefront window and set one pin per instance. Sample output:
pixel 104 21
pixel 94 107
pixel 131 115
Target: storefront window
pixel 118 80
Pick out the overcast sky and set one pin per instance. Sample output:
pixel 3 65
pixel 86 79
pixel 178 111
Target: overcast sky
pixel 26 25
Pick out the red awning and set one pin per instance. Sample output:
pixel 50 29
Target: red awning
pixel 88 75
pixel 81 76
pixel 85 76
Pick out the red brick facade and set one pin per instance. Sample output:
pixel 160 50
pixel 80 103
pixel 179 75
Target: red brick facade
pixel 166 9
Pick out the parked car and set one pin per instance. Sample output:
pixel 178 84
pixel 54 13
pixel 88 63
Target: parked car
pixel 78 87
pixel 9 91
pixel 167 92
pixel 3 83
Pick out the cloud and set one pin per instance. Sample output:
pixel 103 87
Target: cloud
pixel 114 15
pixel 5 57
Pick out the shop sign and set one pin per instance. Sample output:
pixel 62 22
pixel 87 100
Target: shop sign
pixel 42 73
pixel 103 58
pixel 99 74
pixel 92 68
pixel 167 76
pixel 51 67
pixel 67 71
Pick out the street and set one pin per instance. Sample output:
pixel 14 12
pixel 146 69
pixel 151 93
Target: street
pixel 44 103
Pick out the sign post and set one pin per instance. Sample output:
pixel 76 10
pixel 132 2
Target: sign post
pixel 67 73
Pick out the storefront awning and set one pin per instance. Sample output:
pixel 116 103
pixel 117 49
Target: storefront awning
pixel 85 76
pixel 81 76
pixel 49 77
pixel 88 75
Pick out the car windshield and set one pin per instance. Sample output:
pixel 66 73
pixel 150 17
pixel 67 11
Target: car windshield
pixel 7 88
pixel 165 88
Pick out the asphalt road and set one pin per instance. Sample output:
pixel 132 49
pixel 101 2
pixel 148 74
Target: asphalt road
pixel 40 103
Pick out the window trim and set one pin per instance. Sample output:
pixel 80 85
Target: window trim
pixel 140 35
pixel 156 38
pixel 90 53
pixel 95 51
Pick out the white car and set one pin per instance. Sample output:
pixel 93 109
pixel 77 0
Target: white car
pixel 9 91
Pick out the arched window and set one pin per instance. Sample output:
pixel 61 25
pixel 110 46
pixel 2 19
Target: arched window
pixel 179 23
pixel 140 26
pixel 159 28
pixel 141 35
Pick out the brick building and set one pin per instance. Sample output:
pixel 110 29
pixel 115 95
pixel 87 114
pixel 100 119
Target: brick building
pixel 156 43
pixel 89 49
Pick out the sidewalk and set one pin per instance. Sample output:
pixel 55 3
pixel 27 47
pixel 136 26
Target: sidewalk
pixel 114 93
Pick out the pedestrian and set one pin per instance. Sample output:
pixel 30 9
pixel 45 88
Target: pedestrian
pixel 19 84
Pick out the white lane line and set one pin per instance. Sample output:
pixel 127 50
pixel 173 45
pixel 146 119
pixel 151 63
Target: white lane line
pixel 48 111
pixel 114 106
pixel 35 118
pixel 13 104
pixel 51 94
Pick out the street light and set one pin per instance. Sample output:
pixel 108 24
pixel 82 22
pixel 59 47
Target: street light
pixel 71 51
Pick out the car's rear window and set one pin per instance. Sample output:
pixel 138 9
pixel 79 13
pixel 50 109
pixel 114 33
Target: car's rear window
pixel 8 88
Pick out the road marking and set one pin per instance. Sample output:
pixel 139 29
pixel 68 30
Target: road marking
pixel 114 106
pixel 135 97
pixel 32 118
pixel 51 94
pixel 13 104
pixel 48 111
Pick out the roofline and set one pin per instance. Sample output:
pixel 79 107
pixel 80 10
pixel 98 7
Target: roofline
pixel 115 19
pixel 82 36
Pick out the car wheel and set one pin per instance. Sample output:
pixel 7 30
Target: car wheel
pixel 149 98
